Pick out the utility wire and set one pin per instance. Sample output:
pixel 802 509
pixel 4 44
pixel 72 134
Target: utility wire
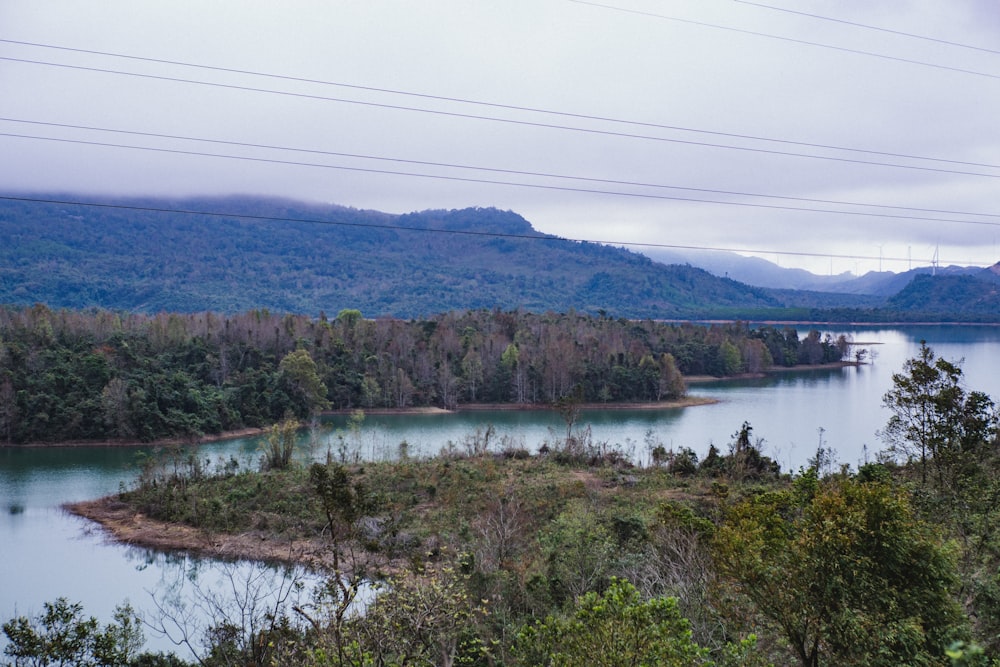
pixel 509 107
pixel 517 172
pixel 869 27
pixel 538 237
pixel 485 181
pixel 792 40
pixel 509 121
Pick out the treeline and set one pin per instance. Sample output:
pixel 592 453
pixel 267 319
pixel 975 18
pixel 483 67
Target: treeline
pixel 94 375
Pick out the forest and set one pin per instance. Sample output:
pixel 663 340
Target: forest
pixel 488 554
pixel 233 254
pixel 97 375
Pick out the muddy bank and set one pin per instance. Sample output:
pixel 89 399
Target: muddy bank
pixel 124 525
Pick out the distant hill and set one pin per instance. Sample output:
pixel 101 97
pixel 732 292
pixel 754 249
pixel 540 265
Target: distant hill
pixel 233 254
pixel 751 270
pixel 762 273
pixel 305 258
pixel 962 294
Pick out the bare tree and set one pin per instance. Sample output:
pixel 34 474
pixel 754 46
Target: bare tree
pixel 232 622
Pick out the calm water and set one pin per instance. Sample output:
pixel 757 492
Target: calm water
pixel 45 553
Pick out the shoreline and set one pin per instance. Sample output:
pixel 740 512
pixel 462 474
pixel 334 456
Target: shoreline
pixel 122 525
pixel 686 402
pixel 163 442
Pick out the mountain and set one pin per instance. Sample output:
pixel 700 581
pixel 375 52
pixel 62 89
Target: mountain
pixel 144 255
pixel 762 273
pixel 968 295
pixel 751 270
pixel 234 254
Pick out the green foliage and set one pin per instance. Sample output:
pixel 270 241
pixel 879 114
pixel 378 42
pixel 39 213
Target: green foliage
pixel 426 617
pixel 96 375
pixel 299 371
pixel 950 436
pixel 963 654
pixel 613 629
pixel 342 500
pixel 849 575
pixel 579 553
pixel 179 487
pixel 61 635
pixel 936 421
pixel 960 295
pixel 279 446
pixel 81 257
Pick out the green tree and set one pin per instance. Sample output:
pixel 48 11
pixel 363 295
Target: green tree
pixel 614 629
pixel 343 503
pixel 934 419
pixel 729 358
pixel 279 446
pixel 62 635
pixel 299 370
pixel 579 552
pixel 671 382
pixel 424 617
pixel 849 575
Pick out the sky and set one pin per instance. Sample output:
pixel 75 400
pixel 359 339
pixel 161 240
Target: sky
pixel 844 136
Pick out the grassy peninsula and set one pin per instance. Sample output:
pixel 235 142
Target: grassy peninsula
pixel 493 555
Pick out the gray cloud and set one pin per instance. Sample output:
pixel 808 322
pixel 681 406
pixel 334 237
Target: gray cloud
pixel 563 56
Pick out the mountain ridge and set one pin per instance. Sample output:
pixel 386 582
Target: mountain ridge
pixel 237 253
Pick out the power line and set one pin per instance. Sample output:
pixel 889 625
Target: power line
pixel 870 27
pixel 517 172
pixel 463 179
pixel 510 121
pixel 509 107
pixel 537 237
pixel 792 40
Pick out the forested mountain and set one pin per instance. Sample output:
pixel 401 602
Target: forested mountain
pixel 963 294
pixel 155 255
pixel 149 260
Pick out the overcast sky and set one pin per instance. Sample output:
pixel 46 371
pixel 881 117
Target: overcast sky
pixel 592 120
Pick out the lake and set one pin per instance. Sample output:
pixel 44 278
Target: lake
pixel 46 553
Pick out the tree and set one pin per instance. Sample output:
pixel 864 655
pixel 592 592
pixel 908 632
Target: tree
pixel 934 418
pixel 745 459
pixel 614 629
pixel 671 382
pixel 729 358
pixel 848 574
pixel 579 552
pixel 568 406
pixel 343 505
pixel 115 402
pixel 279 445
pixel 61 635
pixel 299 370
pixel 8 408
pixel 243 623
pixel 424 617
